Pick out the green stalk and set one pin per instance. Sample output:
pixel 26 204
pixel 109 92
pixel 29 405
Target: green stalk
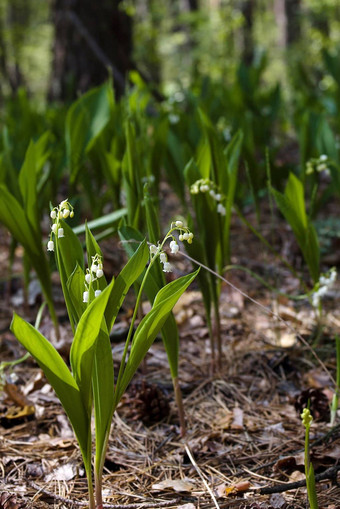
pixel 135 311
pixel 335 401
pixel 307 420
pixel 179 403
pixel 100 458
pixel 63 283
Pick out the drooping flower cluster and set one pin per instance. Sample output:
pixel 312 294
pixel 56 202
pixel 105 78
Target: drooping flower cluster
pixel 63 211
pixel 207 186
pixel 184 234
pixel 93 273
pixel 326 281
pixel 317 165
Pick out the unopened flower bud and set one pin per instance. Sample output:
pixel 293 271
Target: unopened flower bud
pixel 53 214
pixel 66 213
pixel 180 238
pixel 71 213
pixel 179 224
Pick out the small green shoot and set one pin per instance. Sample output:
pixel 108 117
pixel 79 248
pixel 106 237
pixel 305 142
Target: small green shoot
pixel 307 420
pixel 335 400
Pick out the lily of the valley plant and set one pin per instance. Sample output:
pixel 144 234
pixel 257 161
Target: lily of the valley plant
pixel 93 305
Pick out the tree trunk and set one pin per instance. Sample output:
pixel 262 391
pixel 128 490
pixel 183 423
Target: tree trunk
pixel 293 15
pixel 91 40
pixel 281 22
pixel 247 31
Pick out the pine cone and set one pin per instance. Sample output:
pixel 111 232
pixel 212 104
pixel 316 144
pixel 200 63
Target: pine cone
pixel 319 404
pixel 8 501
pixel 148 403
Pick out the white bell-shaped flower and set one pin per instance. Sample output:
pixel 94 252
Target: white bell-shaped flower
pixel 163 258
pixel 50 245
pixel 174 247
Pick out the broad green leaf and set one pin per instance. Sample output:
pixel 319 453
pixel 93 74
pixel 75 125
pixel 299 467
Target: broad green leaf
pixel 69 254
pixel 152 216
pixel 101 222
pixel 128 275
pixel 59 377
pixel 294 193
pixel 14 218
pixel 75 289
pixel 228 181
pixel 150 326
pixel 292 206
pixel 103 393
pixel 84 343
pixel 132 177
pixel 85 120
pixel 28 188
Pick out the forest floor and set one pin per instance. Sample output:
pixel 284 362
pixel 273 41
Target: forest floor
pixel 245 440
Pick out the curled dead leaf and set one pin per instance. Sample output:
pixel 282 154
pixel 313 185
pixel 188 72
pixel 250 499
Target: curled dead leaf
pixel 174 484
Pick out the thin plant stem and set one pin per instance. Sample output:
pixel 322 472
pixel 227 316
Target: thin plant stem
pixel 335 401
pixel 179 403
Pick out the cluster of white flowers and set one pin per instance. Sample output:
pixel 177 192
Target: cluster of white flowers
pixel 184 234
pixel 63 211
pixel 317 165
pixel 207 186
pixel 93 274
pixel 326 281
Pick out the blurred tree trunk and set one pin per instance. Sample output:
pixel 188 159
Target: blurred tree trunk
pixel 281 21
pixel 248 8
pixel 90 38
pixel 193 5
pixel 320 21
pixel 293 16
